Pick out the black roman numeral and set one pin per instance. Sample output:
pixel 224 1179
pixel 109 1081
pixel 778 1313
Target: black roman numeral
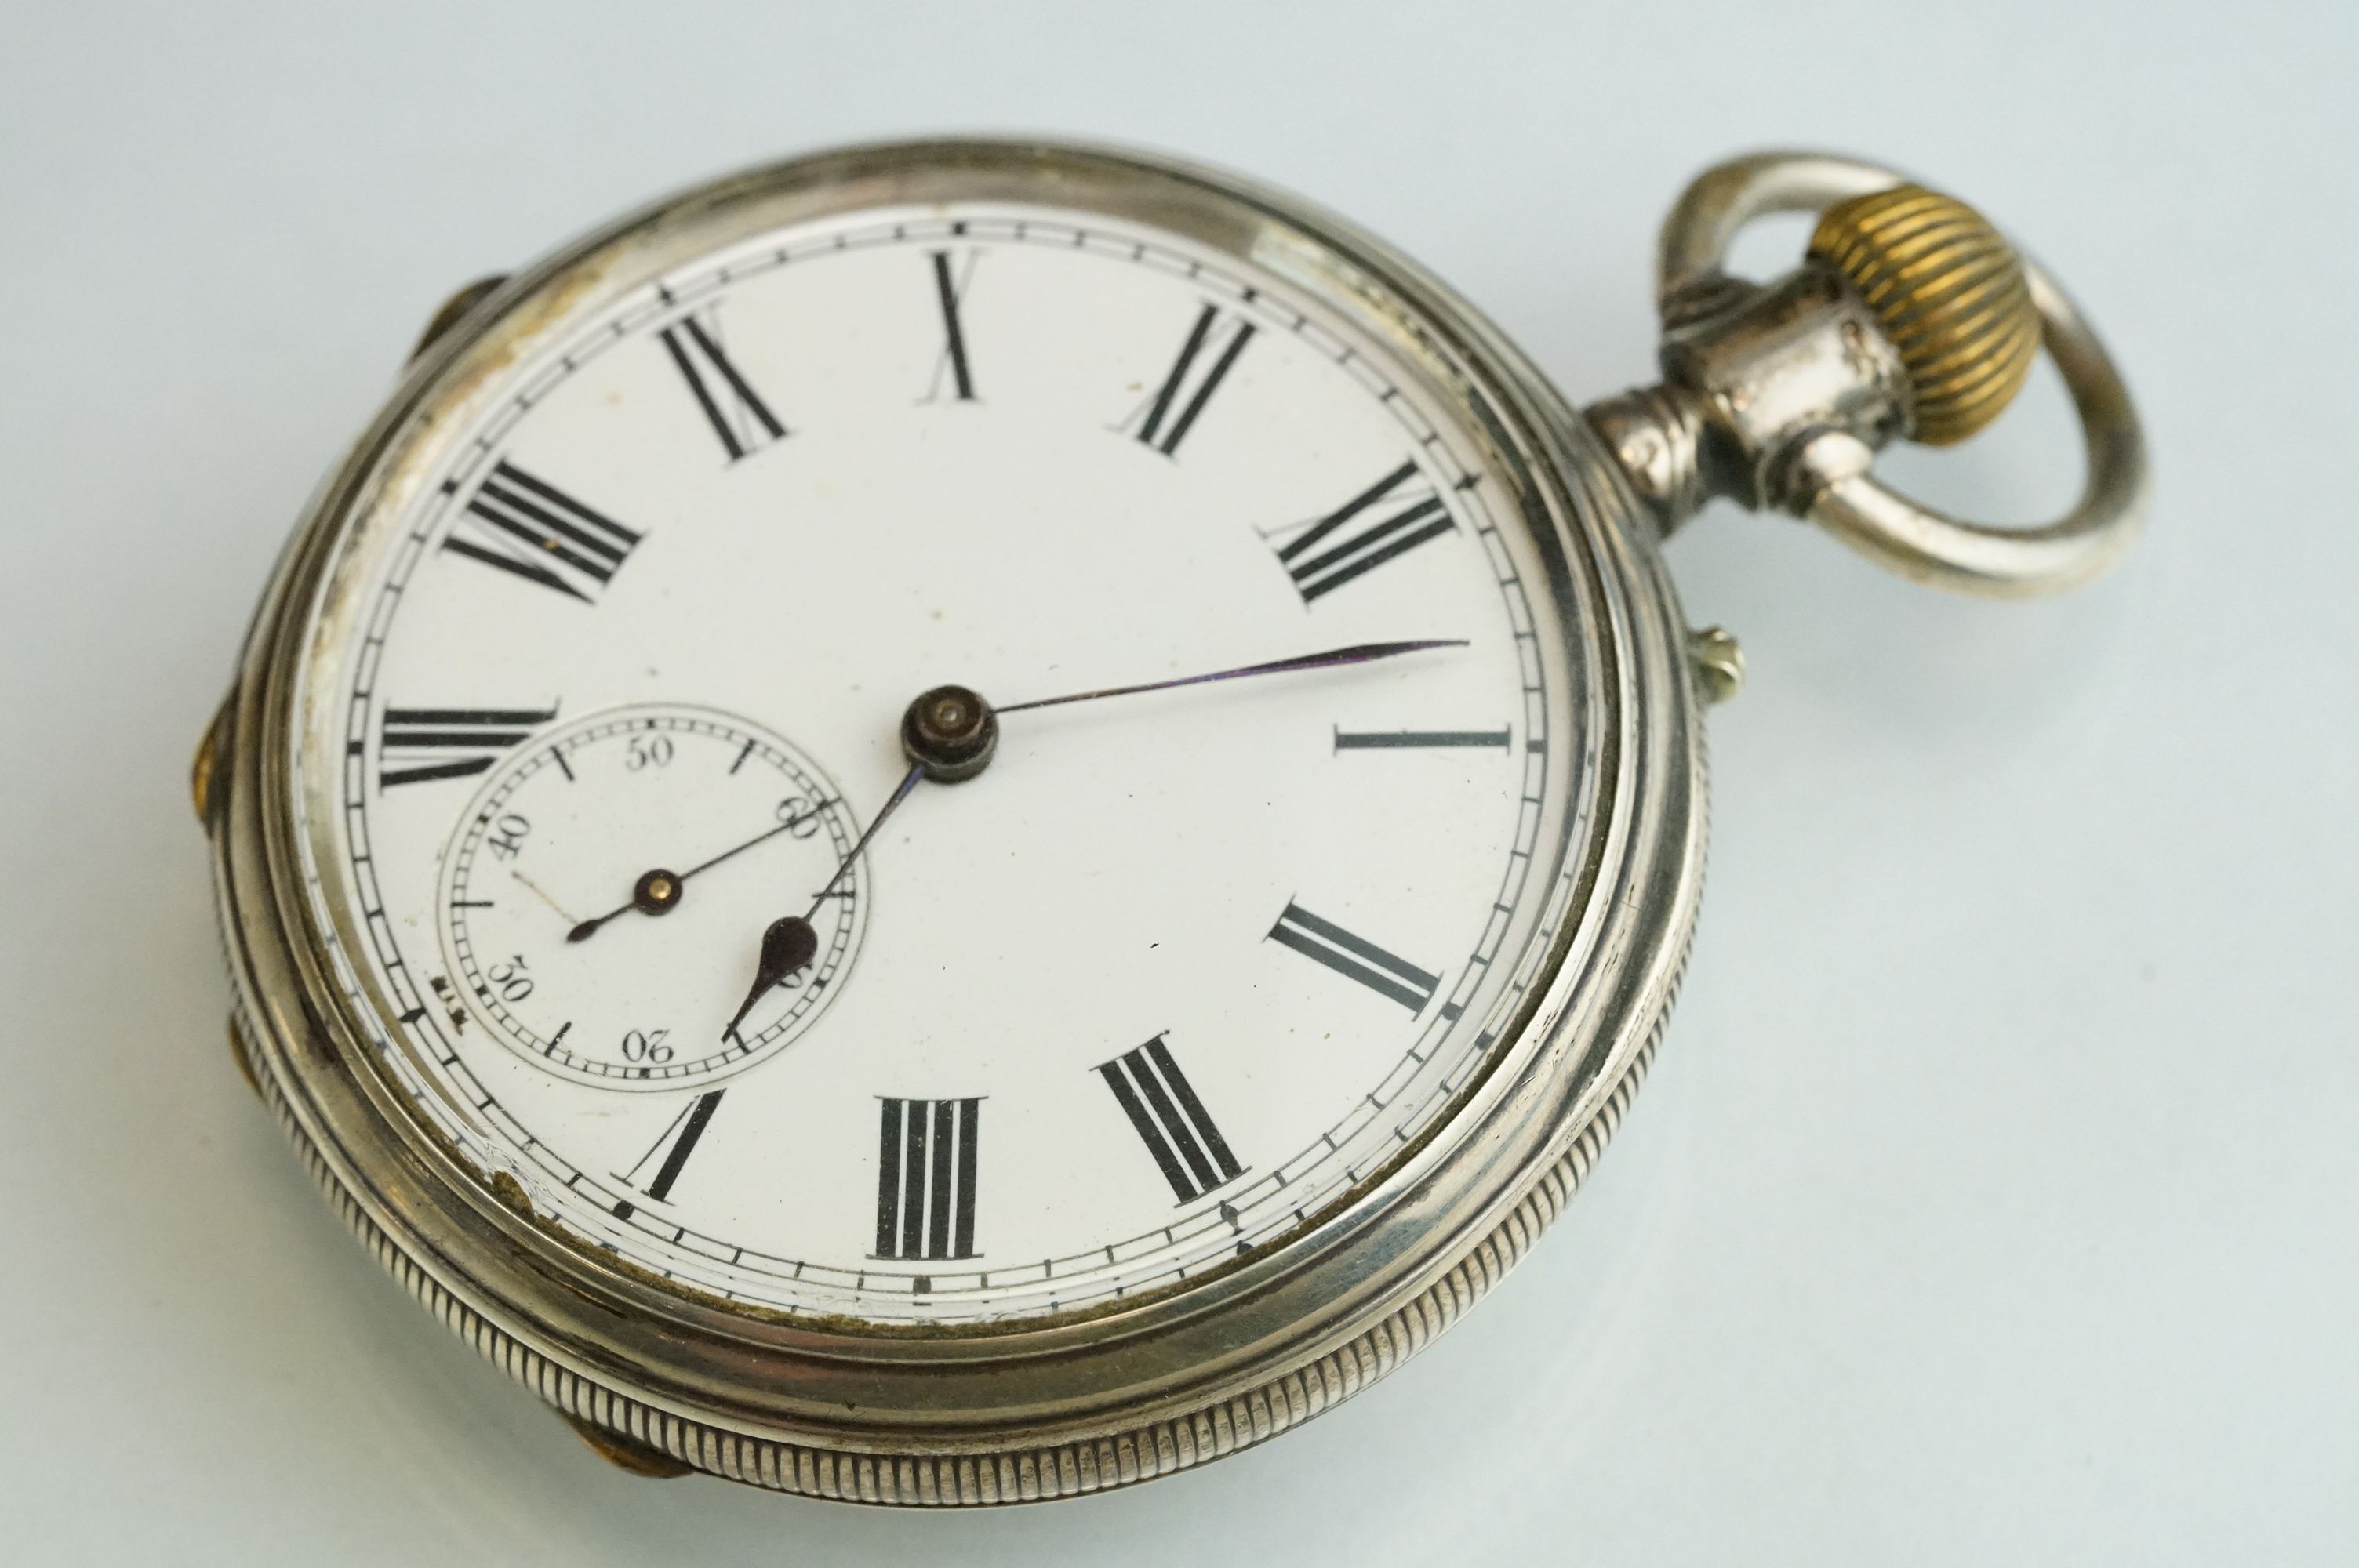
pixel 1165 419
pixel 677 1143
pixel 951 279
pixel 451 742
pixel 531 528
pixel 746 423
pixel 1336 548
pixel 1354 957
pixel 925 1178
pixel 1402 740
pixel 1162 1106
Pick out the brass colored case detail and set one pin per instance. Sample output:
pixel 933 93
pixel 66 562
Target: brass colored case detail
pixel 1949 294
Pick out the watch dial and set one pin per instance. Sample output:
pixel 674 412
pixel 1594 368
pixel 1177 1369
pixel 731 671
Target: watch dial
pixel 604 693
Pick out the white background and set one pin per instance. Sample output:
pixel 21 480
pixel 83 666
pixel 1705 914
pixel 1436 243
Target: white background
pixel 1996 1198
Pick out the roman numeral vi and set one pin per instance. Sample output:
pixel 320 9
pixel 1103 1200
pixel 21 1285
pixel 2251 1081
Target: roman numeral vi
pixel 925 1178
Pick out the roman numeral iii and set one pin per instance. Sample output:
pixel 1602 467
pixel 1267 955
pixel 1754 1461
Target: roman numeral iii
pixel 1204 362
pixel 1354 957
pixel 1420 739
pixel 735 410
pixel 1383 523
pixel 1170 1121
pixel 528 527
pixel 677 1142
pixel 451 742
pixel 925 1178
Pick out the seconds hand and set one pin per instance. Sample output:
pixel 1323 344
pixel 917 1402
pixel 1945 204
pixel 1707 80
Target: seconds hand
pixel 658 891
pixel 950 734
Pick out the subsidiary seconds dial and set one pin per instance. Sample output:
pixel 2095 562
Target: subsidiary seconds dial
pixel 598 890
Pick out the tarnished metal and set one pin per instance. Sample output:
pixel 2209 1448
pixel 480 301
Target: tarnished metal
pixel 950 732
pixel 1834 488
pixel 1912 316
pixel 201 776
pixel 452 311
pixel 244 1063
pixel 1801 354
pixel 206 764
pixel 1717 663
pixel 1655 433
pixel 626 1453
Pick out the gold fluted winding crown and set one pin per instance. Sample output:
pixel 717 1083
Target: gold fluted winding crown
pixel 1948 291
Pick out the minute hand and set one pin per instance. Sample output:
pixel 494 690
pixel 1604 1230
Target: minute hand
pixel 790 943
pixel 1357 654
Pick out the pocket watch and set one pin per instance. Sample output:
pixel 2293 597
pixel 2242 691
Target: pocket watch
pixel 967 821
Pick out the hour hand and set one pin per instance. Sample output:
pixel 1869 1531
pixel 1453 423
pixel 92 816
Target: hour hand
pixel 789 945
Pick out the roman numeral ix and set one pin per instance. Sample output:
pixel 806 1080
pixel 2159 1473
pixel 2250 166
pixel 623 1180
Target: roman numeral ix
pixel 1171 413
pixel 925 1178
pixel 528 527
pixel 734 409
pixel 951 279
pixel 1344 544
pixel 677 1143
pixel 1170 1121
pixel 1354 957
pixel 451 742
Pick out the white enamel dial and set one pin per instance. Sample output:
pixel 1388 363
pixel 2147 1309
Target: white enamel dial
pixel 1174 976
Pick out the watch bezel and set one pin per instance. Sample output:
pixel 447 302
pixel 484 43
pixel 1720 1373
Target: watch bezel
pixel 1070 1404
